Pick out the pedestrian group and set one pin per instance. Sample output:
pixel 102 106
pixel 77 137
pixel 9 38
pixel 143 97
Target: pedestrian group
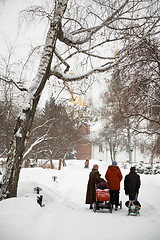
pixel 114 177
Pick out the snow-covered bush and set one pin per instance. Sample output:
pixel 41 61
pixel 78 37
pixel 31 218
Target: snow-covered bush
pixel 149 169
pixel 140 169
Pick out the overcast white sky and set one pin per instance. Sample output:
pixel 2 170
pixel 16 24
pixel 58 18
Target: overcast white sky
pixel 9 24
pixel 9 17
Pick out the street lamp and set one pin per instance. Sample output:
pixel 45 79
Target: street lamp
pixel 131 149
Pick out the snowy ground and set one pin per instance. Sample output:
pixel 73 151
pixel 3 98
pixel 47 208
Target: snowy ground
pixel 65 216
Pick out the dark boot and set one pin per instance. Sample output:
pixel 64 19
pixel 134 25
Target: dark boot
pixel 90 206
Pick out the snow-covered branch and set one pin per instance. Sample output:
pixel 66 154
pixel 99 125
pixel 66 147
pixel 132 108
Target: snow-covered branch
pixel 18 85
pixel 69 78
pixel 71 39
pixel 38 141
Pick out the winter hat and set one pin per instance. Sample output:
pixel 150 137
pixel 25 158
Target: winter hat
pixel 132 169
pixel 95 166
pixel 114 163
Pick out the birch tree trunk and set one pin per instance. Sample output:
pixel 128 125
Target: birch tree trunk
pixel 25 118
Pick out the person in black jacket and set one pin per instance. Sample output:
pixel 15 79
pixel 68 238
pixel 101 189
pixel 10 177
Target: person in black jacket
pixel 132 183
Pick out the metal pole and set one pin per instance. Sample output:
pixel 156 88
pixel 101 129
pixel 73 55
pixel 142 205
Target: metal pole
pixel 131 157
pixel 131 150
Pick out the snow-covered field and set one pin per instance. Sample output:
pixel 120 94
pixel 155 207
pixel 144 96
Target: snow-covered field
pixel 65 215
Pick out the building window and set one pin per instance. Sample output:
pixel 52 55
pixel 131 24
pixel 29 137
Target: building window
pixel 100 148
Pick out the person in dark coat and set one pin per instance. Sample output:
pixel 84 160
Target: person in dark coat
pixel 132 183
pixel 114 177
pixel 94 179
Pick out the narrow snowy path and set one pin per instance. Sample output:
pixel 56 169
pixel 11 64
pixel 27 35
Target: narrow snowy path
pixel 70 218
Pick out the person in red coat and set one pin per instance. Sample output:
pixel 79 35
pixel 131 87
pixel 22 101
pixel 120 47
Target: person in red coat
pixel 114 177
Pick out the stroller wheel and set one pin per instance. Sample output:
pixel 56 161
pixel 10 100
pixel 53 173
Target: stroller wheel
pixel 94 207
pixel 110 207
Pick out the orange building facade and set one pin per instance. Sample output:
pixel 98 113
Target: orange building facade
pixel 84 148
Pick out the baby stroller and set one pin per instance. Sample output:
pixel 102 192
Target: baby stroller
pixel 133 206
pixel 102 197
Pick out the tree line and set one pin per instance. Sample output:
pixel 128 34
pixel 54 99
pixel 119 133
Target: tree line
pixel 132 104
pixel 55 132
